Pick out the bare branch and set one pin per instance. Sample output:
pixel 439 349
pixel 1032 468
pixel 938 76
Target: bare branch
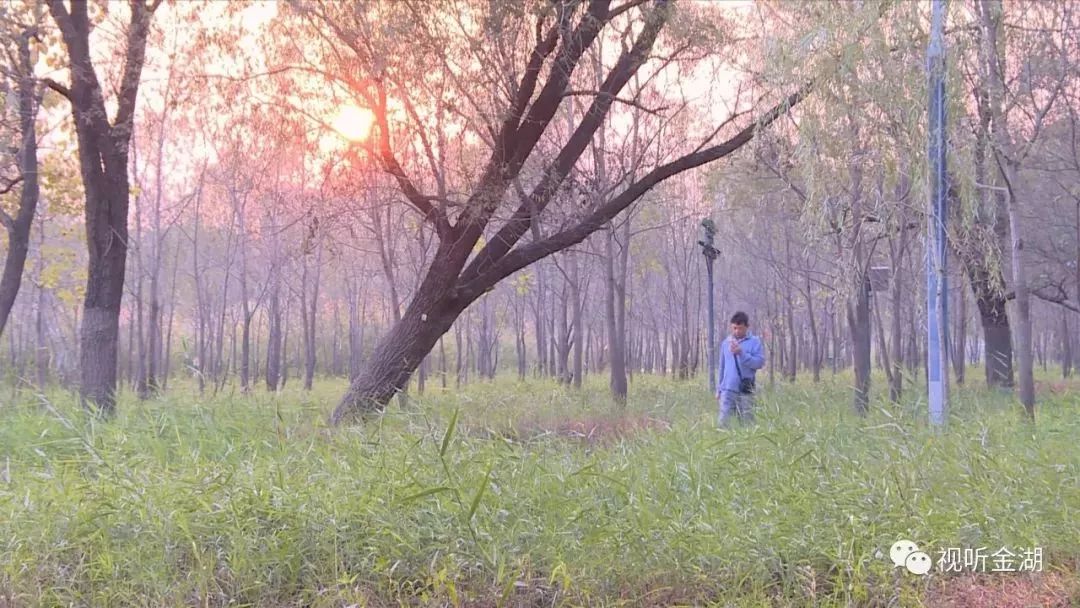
pixel 1060 299
pixel 627 65
pixel 11 183
pixel 523 256
pixel 134 57
pixel 59 88
pixel 629 102
pixel 421 202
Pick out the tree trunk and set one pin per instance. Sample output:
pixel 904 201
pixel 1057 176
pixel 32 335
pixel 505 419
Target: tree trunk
pixel 142 386
pixel 245 305
pixel 41 355
pixel 896 258
pixel 1066 346
pixel 431 313
pixel 579 323
pixel 103 163
pixel 562 334
pixel 615 305
pixel 815 340
pixel 442 361
pixel 310 316
pixel 859 325
pixel 834 334
pixel 421 376
pixel 539 322
pixel 959 341
pixel 519 348
pixel 991 57
pixel 896 383
pixel 460 353
pixel 284 350
pixel 274 341
pixel 167 358
pixel 18 228
pixel 356 316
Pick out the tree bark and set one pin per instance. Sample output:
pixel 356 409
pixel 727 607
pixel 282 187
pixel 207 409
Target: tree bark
pixel 992 57
pixel 431 313
pixel 103 163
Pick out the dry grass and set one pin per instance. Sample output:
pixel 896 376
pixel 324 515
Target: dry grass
pixel 1007 590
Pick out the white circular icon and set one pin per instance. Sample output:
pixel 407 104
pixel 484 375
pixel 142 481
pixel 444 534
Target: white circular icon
pixel 900 551
pixel 918 563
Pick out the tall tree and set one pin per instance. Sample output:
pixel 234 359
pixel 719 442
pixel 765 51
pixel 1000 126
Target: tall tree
pixel 1010 146
pixel 463 268
pixel 103 163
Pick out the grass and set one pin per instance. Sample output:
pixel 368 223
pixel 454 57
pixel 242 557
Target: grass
pixel 511 493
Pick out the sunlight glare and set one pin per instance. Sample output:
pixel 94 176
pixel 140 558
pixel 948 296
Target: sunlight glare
pixel 353 123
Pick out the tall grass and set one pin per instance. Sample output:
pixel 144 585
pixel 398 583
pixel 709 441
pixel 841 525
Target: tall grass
pixel 488 496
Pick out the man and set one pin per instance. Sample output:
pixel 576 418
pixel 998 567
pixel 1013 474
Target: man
pixel 741 355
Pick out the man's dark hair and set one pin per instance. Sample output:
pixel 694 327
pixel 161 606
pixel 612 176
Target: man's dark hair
pixel 740 318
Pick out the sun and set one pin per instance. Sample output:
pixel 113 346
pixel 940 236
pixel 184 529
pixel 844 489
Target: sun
pixel 353 123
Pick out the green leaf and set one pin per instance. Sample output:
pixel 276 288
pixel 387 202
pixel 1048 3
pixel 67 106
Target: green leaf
pixel 427 492
pixel 449 433
pixel 480 492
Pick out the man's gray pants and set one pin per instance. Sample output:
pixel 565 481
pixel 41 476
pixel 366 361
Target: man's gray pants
pixel 733 402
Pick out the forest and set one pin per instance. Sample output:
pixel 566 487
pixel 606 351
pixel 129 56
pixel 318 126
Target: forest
pixel 411 302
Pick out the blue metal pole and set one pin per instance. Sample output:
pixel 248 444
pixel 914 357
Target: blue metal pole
pixel 936 278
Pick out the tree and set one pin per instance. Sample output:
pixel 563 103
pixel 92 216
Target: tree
pixel 18 70
pixel 103 163
pixel 463 268
pixel 1009 151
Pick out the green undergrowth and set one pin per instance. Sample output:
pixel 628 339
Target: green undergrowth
pixel 510 493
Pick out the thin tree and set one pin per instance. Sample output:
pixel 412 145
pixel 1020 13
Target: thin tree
pixel 18 227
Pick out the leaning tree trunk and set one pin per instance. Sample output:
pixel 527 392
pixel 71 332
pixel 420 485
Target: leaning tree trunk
pixel 431 313
pixel 449 286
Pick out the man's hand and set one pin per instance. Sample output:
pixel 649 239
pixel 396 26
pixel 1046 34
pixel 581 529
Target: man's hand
pixel 736 348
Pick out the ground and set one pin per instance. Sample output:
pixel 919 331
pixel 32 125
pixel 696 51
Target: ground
pixel 523 494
